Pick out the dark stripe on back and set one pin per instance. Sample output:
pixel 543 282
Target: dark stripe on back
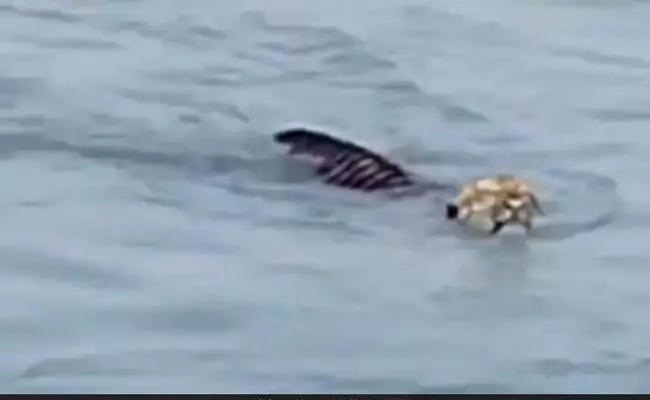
pixel 348 165
pixel 344 163
pixel 361 168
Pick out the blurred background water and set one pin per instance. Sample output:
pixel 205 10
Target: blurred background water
pixel 155 239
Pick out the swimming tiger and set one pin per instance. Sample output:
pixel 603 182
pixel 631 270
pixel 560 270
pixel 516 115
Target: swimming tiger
pixel 504 198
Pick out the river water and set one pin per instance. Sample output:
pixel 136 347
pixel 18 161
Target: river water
pixel 156 240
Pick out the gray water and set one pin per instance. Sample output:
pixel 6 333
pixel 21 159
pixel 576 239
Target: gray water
pixel 155 239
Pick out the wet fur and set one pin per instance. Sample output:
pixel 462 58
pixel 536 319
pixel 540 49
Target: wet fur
pixel 343 163
pixel 505 198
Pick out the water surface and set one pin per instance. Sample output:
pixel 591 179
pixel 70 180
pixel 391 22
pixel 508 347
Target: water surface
pixel 155 239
